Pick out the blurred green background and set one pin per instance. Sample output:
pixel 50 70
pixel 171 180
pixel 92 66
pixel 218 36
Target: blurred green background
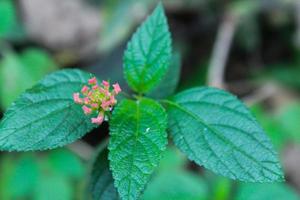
pixel 249 47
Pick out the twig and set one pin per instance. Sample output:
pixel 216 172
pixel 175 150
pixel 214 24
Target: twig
pixel 221 50
pixel 82 149
pixel 264 92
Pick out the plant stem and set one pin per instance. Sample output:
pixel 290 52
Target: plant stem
pixel 126 95
pixel 82 149
pixel 221 50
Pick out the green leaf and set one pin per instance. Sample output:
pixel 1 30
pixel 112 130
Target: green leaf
pixel 29 176
pixel 148 53
pixel 45 116
pixel 25 176
pixel 20 72
pixel 38 62
pixel 101 183
pixel 19 175
pixel 288 120
pixel 172 160
pixel 169 83
pixel 53 187
pixel 222 188
pixel 138 138
pixel 217 131
pixel 274 191
pixel 176 186
pixel 66 163
pixel 14 79
pixel 8 17
pixel 271 126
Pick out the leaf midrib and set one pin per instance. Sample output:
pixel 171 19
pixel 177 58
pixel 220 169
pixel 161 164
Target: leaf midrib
pixel 136 134
pixel 10 115
pixel 151 35
pixel 30 123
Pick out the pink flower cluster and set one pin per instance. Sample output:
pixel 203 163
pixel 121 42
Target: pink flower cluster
pixel 97 98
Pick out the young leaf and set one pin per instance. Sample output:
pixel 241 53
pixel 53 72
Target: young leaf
pixel 45 116
pixel 138 138
pixel 168 84
pixel 217 131
pixel 148 54
pixel 101 184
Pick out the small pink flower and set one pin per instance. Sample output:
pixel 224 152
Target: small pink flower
pixel 94 105
pixel 104 91
pixel 86 100
pixel 86 110
pixel 113 100
pixel 98 120
pixel 84 89
pixel 117 88
pixel 105 83
pixel 107 93
pixel 92 81
pixel 77 99
pixel 105 105
pixel 95 87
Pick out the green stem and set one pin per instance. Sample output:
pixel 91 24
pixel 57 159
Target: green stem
pixel 165 101
pixel 109 115
pixel 138 96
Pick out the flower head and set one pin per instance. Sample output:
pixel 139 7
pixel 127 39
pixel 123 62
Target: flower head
pixel 97 99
